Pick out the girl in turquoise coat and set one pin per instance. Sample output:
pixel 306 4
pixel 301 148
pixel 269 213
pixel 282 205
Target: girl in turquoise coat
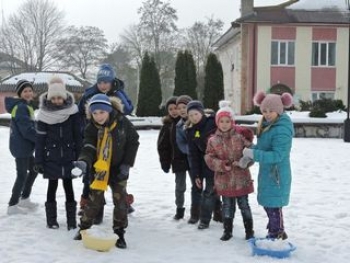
pixel 275 132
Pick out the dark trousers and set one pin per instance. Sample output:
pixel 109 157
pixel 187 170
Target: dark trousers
pixel 209 198
pixel 275 224
pixel 196 194
pixel 96 201
pixel 229 207
pixel 24 180
pixel 180 189
pixel 52 189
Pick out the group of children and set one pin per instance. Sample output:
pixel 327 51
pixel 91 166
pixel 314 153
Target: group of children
pixel 217 154
pixel 102 143
pixel 215 151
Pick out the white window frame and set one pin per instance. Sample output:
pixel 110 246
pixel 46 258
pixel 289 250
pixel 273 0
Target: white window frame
pixel 287 63
pixel 319 59
pixel 317 95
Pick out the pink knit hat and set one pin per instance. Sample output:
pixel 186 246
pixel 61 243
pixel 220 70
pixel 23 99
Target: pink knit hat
pixel 273 102
pixel 224 111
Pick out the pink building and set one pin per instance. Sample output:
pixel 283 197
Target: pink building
pixel 297 46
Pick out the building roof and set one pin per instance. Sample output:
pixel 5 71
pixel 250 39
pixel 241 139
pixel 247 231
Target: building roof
pixel 40 80
pixel 226 37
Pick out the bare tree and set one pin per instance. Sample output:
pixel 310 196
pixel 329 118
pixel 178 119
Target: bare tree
pixel 134 41
pixel 31 33
pixel 200 37
pixel 81 48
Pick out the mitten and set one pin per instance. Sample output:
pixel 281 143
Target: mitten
pixel 245 162
pixel 165 168
pixel 79 169
pixel 38 168
pixel 247 152
pixel 124 172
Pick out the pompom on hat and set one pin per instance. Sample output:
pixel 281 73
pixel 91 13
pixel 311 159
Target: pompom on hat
pixel 225 110
pixel 100 102
pixel 56 88
pixel 105 73
pixel 273 102
pixel 21 85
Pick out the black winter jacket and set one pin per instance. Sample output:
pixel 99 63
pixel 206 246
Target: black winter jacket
pixel 169 153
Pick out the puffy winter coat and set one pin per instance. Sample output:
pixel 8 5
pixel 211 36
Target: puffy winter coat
pixel 168 150
pixel 272 151
pixel 116 91
pixel 124 145
pixel 223 149
pixel 22 127
pixel 197 137
pixel 58 144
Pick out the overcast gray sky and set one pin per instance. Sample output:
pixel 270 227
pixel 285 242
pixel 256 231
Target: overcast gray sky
pixel 113 16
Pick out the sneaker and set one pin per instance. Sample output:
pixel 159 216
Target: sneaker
pixel 26 203
pixel 15 210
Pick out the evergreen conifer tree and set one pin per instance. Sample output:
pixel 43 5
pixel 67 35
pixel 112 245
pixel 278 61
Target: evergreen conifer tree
pixel 150 94
pixel 214 83
pixel 185 75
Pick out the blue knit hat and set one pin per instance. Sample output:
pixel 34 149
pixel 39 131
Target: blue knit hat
pixel 105 73
pixel 195 105
pixel 100 102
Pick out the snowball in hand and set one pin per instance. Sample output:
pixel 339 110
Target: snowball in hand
pixel 76 172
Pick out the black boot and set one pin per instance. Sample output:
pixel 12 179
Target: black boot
pixel 77 235
pixel 249 232
pixel 121 243
pixel 51 215
pixel 71 210
pixel 180 212
pixel 227 229
pixel 194 215
pixel 99 218
pixel 217 211
pixel 203 225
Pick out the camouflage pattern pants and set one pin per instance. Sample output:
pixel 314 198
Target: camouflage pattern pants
pixel 96 201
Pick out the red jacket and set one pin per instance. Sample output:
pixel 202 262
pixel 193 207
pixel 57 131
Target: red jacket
pixel 223 149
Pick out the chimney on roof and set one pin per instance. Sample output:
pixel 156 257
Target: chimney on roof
pixel 246 7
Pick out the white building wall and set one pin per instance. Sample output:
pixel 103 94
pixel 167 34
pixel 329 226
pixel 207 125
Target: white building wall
pixel 263 72
pixel 342 60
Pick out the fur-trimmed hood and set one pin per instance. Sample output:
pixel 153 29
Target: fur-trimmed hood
pixel 116 105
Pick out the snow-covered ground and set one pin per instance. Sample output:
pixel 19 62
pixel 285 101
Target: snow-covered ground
pixel 317 219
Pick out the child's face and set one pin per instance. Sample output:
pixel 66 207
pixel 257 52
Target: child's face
pixel 104 86
pixel 225 124
pixel 27 94
pixel 182 110
pixel 58 101
pixel 270 116
pixel 100 116
pixel 194 116
pixel 172 111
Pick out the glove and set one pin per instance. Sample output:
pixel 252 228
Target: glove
pixel 38 168
pixel 124 172
pixel 247 152
pixel 165 168
pixel 245 162
pixel 80 169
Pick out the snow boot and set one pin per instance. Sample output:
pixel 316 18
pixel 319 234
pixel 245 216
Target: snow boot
pixel 194 214
pixel 71 210
pixel 203 225
pixel 249 232
pixel 51 215
pixel 180 212
pixel 121 243
pixel 228 225
pixel 217 214
pixel 83 203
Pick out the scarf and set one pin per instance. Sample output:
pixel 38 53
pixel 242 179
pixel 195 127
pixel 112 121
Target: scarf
pixel 53 114
pixel 104 157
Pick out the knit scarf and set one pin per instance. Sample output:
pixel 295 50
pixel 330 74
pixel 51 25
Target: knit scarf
pixel 104 157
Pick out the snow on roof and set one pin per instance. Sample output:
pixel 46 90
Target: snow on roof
pixel 320 4
pixel 43 77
